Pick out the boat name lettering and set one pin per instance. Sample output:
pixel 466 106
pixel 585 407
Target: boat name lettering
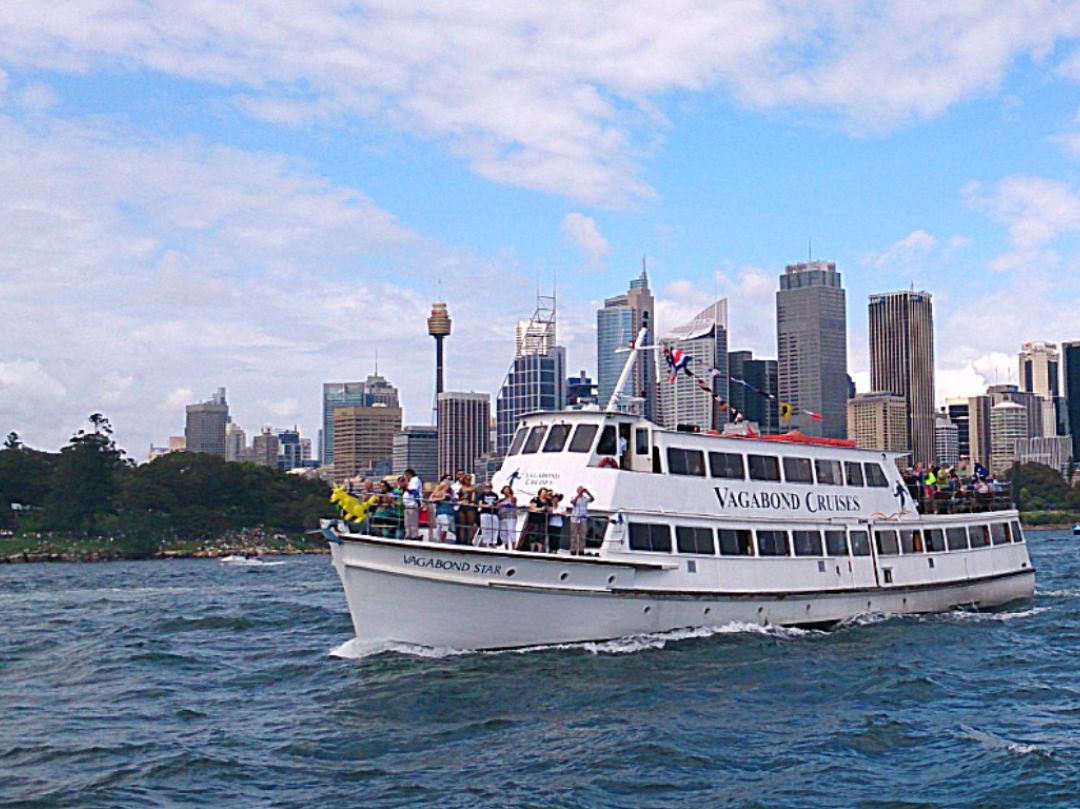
pixel 451 564
pixel 789 501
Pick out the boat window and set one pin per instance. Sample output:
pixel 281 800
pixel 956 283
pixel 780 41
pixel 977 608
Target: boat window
pixel 764 467
pixel 532 443
pixel 653 537
pixel 860 543
pixel 656 467
pixel 726 465
pixel 583 438
pixel 935 540
pixel 519 439
pixel 874 476
pixel 686 462
pixel 556 439
pixel 886 543
pixel 736 542
pixel 641 442
pixel 836 543
pixel 797 470
pixel 807 543
pixel 997 532
pixel 1017 535
pixel 828 472
pixel 607 445
pixel 911 541
pixel 594 534
pixel 773 543
pixel 980 535
pixel 957 538
pixel 853 472
pixel 691 539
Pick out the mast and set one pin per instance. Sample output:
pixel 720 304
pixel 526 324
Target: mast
pixel 628 368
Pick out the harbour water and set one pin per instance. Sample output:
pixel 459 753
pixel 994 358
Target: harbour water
pixel 188 682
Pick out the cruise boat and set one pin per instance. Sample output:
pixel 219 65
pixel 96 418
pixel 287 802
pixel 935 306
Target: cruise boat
pixel 686 530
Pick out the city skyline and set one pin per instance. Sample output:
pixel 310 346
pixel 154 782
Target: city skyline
pixel 220 202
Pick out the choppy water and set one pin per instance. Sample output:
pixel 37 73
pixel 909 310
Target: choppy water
pixel 189 682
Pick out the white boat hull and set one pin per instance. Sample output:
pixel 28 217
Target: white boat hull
pixel 473 598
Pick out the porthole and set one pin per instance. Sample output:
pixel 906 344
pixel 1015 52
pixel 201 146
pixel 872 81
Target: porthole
pixel 610 579
pixel 808 608
pixel 564 576
pixel 647 610
pixel 510 572
pixel 708 610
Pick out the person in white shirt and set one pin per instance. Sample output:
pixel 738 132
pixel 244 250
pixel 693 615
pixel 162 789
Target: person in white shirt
pixel 410 499
pixel 579 520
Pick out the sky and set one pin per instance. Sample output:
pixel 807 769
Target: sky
pixel 263 195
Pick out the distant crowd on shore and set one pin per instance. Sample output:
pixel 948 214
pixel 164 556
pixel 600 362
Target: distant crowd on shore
pixel 456 510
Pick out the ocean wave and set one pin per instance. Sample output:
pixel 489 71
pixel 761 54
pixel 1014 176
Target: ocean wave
pixel 993 741
pixel 1068 593
pixel 964 615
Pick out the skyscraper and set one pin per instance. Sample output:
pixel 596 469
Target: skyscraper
pixel 1071 351
pixel 902 361
pixel 958 412
pixel 235 442
pixel 464 430
pixel 1008 426
pixel 364 440
pixel 374 391
pixel 536 379
pixel 617 325
pixel 581 390
pixel 946 441
pixel 416 447
pixel 878 421
pixel 204 428
pixel 265 448
pixel 290 450
pixel 705 340
pixel 754 406
pixel 1039 374
pixel 439 327
pixel 811 343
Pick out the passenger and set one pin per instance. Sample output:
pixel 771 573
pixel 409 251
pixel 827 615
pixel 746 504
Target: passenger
pixel 486 502
pixel 533 538
pixel 506 511
pixel 555 524
pixel 411 497
pixel 456 486
pixel 579 520
pixel 384 520
pixel 443 498
pixel 466 514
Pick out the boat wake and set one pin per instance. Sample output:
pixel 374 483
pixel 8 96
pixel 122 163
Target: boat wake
pixel 963 615
pixel 995 742
pixel 240 561
pixel 357 649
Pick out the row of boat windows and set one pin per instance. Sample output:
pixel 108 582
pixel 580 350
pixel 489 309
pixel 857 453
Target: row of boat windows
pixel 691 462
pixel 656 538
pixel 733 466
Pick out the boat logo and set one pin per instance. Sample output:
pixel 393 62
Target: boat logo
pixel 813 502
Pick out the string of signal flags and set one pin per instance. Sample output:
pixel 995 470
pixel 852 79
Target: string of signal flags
pixel 678 360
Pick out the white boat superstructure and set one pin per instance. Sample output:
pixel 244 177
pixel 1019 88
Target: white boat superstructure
pixel 687 530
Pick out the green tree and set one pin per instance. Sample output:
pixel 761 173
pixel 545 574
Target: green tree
pixel 86 480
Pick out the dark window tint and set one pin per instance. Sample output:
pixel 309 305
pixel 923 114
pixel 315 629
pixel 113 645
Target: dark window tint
pixel 686 462
pixel 650 537
pixel 807 543
pixel 836 543
pixel 828 472
pixel 980 535
pixel 736 542
pixel 860 543
pixel 764 467
pixel 797 470
pixel 594 535
pixel 583 438
pixel 886 543
pixel 1017 535
pixel 641 442
pixel 607 444
pixel 911 541
pixel 532 443
pixel 726 465
pixel 957 538
pixel 935 539
pixel 694 539
pixel 998 533
pixel 853 472
pixel 519 439
pixel 874 476
pixel 556 439
pixel 773 543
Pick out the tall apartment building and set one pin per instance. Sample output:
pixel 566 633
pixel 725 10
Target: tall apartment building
pixel 946 441
pixel 878 421
pixel 755 407
pixel 235 442
pixel 375 390
pixel 1008 427
pixel 1071 351
pixel 464 430
pixel 265 448
pixel 581 390
pixel 1040 365
pixel 957 410
pixel 705 340
pixel 617 325
pixel 811 346
pixel 290 450
pixel 902 361
pixel 364 440
pixel 416 447
pixel 204 427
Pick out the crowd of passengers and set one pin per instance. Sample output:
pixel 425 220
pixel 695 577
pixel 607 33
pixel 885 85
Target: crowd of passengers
pixel 943 489
pixel 458 511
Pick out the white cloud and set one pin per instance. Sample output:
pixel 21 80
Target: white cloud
pixel 37 97
pixel 584 232
pixel 907 254
pixel 559 97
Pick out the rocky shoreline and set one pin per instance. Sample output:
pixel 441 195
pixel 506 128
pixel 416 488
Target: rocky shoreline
pixel 26 557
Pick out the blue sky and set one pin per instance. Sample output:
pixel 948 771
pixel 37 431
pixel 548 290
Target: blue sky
pixel 244 194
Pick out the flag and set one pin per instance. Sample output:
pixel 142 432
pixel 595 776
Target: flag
pixel 786 411
pixel 813 415
pixel 981 471
pixel 677 360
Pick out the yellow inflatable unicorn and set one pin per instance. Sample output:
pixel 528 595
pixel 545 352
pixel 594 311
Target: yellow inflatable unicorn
pixel 354 508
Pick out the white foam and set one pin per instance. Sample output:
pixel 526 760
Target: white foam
pixel 995 742
pixel 1058 593
pixel 962 615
